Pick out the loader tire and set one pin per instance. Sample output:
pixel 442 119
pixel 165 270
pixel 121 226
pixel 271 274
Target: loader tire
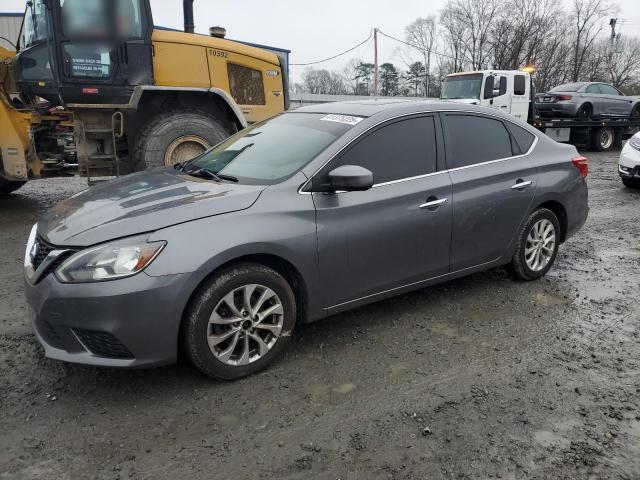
pixel 174 137
pixel 8 186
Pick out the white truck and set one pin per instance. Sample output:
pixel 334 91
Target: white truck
pixel 512 91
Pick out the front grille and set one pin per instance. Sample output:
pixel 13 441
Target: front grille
pixel 42 249
pixel 102 344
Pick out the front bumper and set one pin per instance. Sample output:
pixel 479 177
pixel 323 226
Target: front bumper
pixel 629 164
pixel 131 322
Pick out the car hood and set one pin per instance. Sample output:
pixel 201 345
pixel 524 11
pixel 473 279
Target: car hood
pixel 139 203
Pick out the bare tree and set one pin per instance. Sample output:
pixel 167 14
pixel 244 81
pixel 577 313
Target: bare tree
pixel 421 35
pixel 587 18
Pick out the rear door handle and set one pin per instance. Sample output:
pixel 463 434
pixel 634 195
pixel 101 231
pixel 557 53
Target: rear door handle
pixel 434 204
pixel 521 185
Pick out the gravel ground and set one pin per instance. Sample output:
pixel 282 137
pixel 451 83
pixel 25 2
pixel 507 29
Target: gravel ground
pixel 483 377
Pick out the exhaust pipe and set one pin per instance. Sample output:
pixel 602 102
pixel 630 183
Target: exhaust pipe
pixel 187 7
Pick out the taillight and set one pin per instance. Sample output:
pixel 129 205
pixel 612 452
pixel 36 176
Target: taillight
pixel 582 164
pixel 563 97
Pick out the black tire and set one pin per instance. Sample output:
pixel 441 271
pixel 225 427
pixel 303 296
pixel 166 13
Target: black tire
pixel 585 111
pixel 518 266
pixel 631 183
pixel 8 186
pixel 635 112
pixel 196 321
pixel 603 139
pixel 161 131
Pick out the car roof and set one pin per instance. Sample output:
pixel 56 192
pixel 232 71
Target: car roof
pixel 389 107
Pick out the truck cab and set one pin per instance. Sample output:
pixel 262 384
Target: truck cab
pixel 509 91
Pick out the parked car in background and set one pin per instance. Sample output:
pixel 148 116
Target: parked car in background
pixel 629 164
pixel 308 214
pixel 586 100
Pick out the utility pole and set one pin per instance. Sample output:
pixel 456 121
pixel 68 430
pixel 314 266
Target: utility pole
pixel 375 63
pixel 612 46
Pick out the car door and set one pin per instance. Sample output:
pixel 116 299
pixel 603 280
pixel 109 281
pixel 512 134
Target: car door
pixel 594 95
pixel 399 231
pixel 493 186
pixel 616 102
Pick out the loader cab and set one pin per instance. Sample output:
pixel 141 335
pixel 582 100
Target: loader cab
pixel 504 90
pixel 84 51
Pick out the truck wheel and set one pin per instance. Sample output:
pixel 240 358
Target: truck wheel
pixel 175 137
pixel 603 139
pixel 8 186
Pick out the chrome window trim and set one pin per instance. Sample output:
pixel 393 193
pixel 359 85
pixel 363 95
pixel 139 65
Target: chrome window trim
pixel 407 179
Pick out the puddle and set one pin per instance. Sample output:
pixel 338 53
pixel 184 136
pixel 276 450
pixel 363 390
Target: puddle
pixel 548 299
pixel 345 388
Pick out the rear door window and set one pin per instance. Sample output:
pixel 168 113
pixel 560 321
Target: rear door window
pixel 593 89
pixel 473 139
pixel 609 90
pixel 399 150
pixel 519 85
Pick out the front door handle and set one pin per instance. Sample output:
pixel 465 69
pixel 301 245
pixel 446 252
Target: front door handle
pixel 521 185
pixel 433 203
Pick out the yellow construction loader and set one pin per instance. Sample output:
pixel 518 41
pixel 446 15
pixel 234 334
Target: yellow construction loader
pixel 95 89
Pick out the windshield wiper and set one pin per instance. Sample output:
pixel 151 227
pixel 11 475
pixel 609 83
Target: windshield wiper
pixel 205 172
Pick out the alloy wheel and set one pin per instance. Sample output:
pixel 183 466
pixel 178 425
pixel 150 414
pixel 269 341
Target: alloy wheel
pixel 245 325
pixel 541 244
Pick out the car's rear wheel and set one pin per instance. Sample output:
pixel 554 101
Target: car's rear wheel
pixel 537 246
pixel 585 111
pixel 239 321
pixel 635 112
pixel 603 139
pixel 631 182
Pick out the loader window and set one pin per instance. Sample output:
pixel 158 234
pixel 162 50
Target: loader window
pixel 34 28
pixel 101 19
pixel 246 85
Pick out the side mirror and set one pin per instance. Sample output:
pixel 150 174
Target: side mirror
pixel 488 87
pixel 503 86
pixel 350 178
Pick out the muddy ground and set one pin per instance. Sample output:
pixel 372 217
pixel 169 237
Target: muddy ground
pixel 483 377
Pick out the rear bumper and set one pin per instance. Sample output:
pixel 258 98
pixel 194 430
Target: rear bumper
pixel 131 322
pixel 557 109
pixel 577 209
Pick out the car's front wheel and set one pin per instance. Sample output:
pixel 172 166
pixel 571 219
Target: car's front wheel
pixel 239 321
pixel 631 182
pixel 537 246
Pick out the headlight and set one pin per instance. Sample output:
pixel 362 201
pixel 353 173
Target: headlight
pixel 635 141
pixel 109 261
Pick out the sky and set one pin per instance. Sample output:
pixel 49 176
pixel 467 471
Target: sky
pixel 317 30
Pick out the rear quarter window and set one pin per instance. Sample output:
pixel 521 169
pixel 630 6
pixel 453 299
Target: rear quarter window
pixel 522 137
pixel 476 139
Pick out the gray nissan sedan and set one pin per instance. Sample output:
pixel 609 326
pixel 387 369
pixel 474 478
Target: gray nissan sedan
pixel 305 215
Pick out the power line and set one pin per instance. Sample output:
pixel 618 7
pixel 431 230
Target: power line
pixel 335 56
pixel 435 52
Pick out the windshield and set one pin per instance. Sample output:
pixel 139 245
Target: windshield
pixel 273 150
pixel 567 87
pixel 34 27
pixel 462 86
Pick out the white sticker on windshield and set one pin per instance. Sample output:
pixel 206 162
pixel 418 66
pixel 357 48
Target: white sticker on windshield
pixel 348 119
